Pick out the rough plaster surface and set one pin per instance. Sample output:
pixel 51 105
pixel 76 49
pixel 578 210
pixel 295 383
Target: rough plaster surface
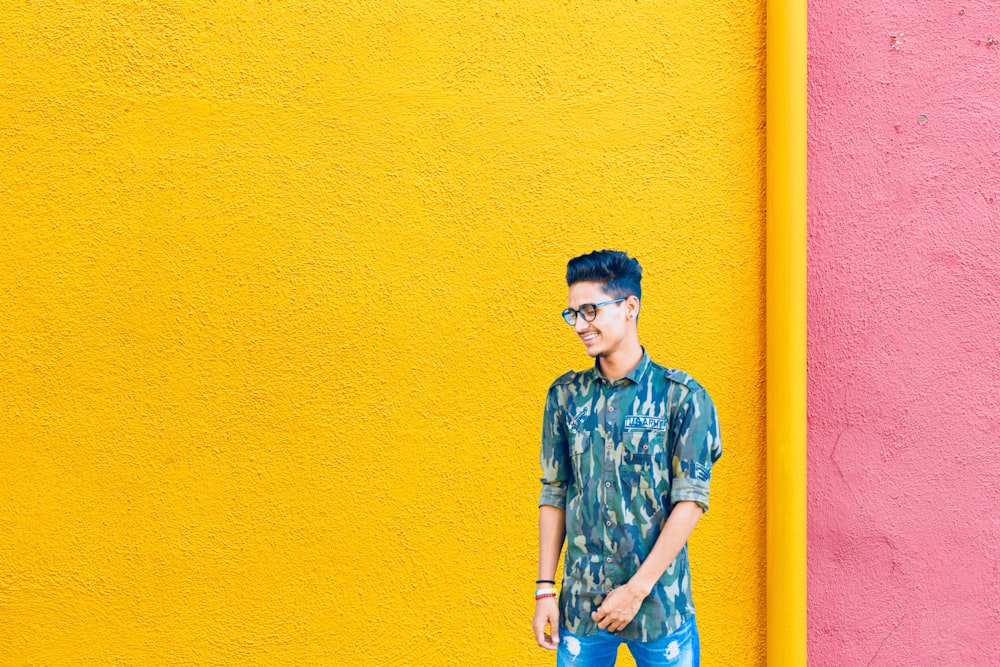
pixel 281 303
pixel 904 333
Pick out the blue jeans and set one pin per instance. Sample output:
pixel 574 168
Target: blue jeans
pixel 681 648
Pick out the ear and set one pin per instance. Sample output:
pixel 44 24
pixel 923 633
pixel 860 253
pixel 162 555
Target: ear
pixel 632 307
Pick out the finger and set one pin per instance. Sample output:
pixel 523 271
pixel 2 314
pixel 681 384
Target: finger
pixel 539 633
pixel 538 625
pixel 552 636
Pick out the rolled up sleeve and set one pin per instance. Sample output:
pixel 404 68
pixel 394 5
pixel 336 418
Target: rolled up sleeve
pixel 697 446
pixel 557 468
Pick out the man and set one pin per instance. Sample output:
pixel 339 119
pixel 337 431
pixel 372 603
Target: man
pixel 627 453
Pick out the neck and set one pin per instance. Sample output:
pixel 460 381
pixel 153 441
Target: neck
pixel 622 361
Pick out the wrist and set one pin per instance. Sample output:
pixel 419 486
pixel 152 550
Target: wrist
pixel 639 587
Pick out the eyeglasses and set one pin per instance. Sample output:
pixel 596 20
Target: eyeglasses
pixel 587 311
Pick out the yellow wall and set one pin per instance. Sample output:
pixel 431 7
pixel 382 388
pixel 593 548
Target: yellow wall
pixel 279 306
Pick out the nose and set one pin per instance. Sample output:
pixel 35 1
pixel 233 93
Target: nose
pixel 581 324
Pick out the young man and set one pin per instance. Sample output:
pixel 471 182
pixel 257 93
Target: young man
pixel 627 453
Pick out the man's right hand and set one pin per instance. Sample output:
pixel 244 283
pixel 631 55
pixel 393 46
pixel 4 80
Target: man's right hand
pixel 546 613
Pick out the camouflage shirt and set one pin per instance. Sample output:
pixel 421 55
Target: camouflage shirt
pixel 616 457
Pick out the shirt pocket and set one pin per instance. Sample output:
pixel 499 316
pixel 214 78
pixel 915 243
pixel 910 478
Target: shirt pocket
pixel 641 458
pixel 579 443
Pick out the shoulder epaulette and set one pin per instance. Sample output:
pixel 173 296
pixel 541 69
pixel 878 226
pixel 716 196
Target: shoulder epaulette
pixel 680 377
pixel 565 378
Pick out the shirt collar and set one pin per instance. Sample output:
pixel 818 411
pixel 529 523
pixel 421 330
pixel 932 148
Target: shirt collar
pixel 636 373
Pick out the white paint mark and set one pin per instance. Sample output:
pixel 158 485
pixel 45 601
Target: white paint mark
pixel 572 645
pixel 673 650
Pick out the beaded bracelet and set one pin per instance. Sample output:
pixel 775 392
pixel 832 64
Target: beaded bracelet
pixel 546 595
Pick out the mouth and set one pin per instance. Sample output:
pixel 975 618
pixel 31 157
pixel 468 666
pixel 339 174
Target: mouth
pixel 588 338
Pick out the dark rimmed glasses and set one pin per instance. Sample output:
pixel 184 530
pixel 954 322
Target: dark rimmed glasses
pixel 587 311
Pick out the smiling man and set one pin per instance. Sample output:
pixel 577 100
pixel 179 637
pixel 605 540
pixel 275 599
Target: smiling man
pixel 627 453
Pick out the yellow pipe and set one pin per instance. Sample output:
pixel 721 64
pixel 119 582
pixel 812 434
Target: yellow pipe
pixel 786 333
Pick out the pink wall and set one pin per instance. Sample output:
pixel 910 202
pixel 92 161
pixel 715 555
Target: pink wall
pixel 904 333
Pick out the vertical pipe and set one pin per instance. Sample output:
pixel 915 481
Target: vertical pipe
pixel 786 333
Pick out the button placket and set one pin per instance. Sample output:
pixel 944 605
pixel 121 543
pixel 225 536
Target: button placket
pixel 610 468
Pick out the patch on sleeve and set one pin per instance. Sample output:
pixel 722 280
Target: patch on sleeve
pixel 702 472
pixel 643 423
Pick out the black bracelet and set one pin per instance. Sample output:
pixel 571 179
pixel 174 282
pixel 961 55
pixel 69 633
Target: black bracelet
pixel 545 581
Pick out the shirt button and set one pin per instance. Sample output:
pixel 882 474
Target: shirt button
pixel 611 409
pixel 608 559
pixel 609 447
pixel 607 484
pixel 607 523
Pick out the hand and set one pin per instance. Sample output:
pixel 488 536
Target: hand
pixel 619 608
pixel 546 613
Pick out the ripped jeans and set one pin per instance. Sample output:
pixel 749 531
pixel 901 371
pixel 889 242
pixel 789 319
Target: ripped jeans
pixel 681 648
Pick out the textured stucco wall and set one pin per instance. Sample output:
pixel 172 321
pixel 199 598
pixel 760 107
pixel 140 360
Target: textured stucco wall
pixel 280 306
pixel 904 333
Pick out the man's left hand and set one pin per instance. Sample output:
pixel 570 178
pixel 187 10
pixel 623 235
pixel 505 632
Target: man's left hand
pixel 619 607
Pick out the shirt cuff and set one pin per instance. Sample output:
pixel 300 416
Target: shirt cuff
pixel 687 488
pixel 553 494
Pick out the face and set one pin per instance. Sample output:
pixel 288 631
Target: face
pixel 611 326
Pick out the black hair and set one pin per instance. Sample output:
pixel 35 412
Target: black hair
pixel 620 274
